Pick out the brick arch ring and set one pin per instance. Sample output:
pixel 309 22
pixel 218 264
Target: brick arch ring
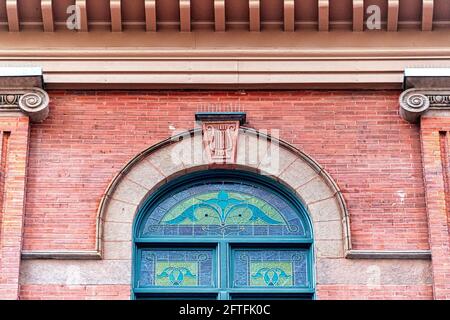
pixel 255 152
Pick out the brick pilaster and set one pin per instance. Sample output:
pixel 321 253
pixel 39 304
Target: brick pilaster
pixel 14 133
pixel 435 137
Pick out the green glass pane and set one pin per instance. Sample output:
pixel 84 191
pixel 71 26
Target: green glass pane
pixel 176 273
pixel 166 267
pixel 271 274
pixel 269 267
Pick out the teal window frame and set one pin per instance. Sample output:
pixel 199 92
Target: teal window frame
pixel 223 246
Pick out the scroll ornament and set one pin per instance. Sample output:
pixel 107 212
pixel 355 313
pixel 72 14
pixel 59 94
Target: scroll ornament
pixel 415 102
pixel 34 102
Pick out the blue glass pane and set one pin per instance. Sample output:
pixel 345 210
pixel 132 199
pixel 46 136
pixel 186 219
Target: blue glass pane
pixel 223 210
pixel 270 268
pixel 176 268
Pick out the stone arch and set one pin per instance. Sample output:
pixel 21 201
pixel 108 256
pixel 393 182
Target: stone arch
pixel 184 153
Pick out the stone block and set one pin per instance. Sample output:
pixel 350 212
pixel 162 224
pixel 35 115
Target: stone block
pixel 117 231
pixel 119 211
pixel 314 191
pixel 297 174
pixel 328 230
pixel 276 160
pixel 325 210
pixel 251 150
pixel 373 273
pixel 145 174
pixel 117 250
pixel 329 248
pixel 130 192
pixel 169 160
pixel 75 272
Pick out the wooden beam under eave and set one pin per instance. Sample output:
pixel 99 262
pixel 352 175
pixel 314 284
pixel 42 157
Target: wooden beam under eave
pixel 116 15
pixel 47 15
pixel 254 15
pixel 289 15
pixel 324 15
pixel 392 19
pixel 219 15
pixel 150 15
pixel 358 15
pixel 13 15
pixel 185 15
pixel 427 15
pixel 82 10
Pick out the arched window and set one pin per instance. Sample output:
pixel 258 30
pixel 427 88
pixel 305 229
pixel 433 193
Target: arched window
pixel 222 234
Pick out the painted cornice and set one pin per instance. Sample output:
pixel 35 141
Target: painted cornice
pixel 203 60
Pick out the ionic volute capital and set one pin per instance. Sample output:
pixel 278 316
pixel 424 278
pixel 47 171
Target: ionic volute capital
pixel 33 102
pixel 415 102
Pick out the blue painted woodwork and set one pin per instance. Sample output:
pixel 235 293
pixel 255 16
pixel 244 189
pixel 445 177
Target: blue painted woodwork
pixel 222 234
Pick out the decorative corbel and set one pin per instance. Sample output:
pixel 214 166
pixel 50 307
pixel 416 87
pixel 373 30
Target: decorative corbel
pixel 33 102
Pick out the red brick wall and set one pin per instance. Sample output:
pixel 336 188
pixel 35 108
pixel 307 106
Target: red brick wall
pixel 435 151
pixel 385 292
pixel 13 163
pixel 357 136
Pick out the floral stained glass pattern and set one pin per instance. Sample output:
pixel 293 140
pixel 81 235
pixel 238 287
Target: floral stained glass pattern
pixel 270 268
pixel 269 273
pixel 224 210
pixel 177 268
pixel 176 273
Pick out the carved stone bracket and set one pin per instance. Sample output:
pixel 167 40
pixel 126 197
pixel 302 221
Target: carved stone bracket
pixel 31 101
pixel 220 135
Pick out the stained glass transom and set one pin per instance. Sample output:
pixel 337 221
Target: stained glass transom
pixel 177 268
pixel 223 210
pixel 222 234
pixel 270 268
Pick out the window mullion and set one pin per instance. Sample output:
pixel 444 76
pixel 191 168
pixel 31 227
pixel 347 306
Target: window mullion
pixel 223 269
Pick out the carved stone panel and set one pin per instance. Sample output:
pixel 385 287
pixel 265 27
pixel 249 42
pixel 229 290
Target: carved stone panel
pixel 220 141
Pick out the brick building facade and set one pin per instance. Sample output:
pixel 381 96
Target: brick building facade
pixel 117 123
